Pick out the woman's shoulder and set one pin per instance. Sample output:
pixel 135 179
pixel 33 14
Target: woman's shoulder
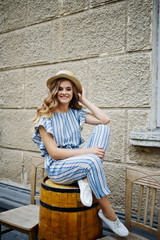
pixel 80 114
pixel 77 112
pixel 44 121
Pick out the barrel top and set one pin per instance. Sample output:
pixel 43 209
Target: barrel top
pixel 50 186
pixel 48 182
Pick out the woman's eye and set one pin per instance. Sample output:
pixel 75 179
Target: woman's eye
pixel 67 89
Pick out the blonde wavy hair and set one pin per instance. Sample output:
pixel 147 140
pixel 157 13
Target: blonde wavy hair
pixel 51 102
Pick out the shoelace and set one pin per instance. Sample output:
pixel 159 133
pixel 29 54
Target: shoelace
pixel 86 187
pixel 117 223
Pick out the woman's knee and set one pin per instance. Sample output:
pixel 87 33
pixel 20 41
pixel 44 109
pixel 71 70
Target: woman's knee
pixel 93 161
pixel 103 129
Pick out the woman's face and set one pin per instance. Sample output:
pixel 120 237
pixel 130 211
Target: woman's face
pixel 65 92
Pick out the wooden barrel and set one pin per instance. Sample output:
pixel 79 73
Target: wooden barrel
pixel 63 216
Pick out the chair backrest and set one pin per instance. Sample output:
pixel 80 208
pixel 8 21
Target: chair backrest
pixel 37 162
pixel 148 208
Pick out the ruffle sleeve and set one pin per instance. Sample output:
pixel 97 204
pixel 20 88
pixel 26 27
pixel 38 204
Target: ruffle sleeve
pixel 82 116
pixel 36 138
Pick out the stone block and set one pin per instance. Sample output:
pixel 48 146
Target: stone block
pixel 90 33
pixel 38 43
pixel 12 49
pixel 122 81
pixel 116 149
pixel 138 119
pixel 96 3
pixel 70 6
pixel 116 178
pixel 39 11
pixel 35 80
pixel 35 86
pixel 11 164
pixel 13 15
pixel 18 14
pixel 16 128
pixel 12 89
pixel 141 156
pixel 26 46
pixel 139 24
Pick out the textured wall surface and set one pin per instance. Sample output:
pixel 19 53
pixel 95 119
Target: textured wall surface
pixel 107 44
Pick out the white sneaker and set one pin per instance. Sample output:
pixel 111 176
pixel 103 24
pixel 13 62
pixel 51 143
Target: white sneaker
pixel 117 226
pixel 85 193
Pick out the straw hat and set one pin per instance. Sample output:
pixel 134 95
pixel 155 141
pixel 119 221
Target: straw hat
pixel 65 74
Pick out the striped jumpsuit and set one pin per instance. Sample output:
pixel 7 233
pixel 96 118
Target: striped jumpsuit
pixel 66 131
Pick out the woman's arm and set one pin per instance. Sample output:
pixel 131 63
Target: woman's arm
pixel 97 116
pixel 60 153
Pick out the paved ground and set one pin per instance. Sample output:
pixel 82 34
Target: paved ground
pixel 14 235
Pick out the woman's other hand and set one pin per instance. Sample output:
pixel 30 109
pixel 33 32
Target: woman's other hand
pixel 97 151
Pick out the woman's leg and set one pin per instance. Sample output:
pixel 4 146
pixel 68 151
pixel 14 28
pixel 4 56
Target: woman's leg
pixel 99 137
pixel 108 215
pixel 107 209
pixel 75 168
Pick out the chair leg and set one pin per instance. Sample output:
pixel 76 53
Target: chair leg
pixel 33 235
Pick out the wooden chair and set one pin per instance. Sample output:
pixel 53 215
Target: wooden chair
pixel 146 185
pixel 25 219
pixel 149 184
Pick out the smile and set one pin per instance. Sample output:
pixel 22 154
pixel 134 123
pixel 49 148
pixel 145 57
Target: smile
pixel 64 96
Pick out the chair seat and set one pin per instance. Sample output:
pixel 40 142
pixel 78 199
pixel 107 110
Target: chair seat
pixel 131 236
pixel 21 217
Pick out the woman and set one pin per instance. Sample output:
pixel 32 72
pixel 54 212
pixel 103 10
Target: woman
pixel 58 134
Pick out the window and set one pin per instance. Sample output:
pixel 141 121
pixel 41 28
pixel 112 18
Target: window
pixel 151 138
pixel 158 85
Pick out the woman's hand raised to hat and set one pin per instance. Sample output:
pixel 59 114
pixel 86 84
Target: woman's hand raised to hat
pixel 81 96
pixel 97 116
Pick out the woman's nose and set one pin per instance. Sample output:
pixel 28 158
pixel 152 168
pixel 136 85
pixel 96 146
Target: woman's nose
pixel 64 91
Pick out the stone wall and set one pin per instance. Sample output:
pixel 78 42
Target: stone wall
pixel 107 44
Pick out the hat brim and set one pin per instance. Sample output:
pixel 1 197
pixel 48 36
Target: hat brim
pixel 67 77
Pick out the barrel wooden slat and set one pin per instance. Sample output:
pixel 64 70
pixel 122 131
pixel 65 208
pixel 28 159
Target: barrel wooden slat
pixel 64 217
pixel 98 223
pixel 72 224
pixel 55 220
pixel 82 226
pixel 90 223
pixel 64 225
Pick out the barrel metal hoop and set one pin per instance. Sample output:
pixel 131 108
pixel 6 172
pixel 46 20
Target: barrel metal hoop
pixel 61 209
pixel 61 190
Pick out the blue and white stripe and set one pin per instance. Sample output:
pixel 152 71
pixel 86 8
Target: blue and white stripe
pixel 89 165
pixel 64 127
pixel 66 131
